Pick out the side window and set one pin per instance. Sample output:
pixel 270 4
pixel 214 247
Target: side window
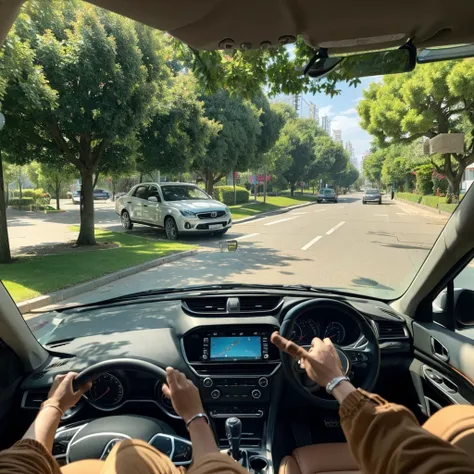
pixel 153 191
pixel 453 307
pixel 141 192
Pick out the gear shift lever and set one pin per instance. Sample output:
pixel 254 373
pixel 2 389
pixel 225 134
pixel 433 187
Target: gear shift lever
pixel 233 430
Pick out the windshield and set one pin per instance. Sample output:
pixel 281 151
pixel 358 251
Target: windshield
pixel 176 157
pixel 182 193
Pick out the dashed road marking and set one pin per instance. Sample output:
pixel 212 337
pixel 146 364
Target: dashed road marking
pixel 246 236
pixel 298 213
pixel 381 215
pixel 330 231
pixel 281 220
pixel 320 210
pixel 254 221
pixel 311 242
pixel 402 214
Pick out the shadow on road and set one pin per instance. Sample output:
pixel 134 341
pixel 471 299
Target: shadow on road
pixel 368 282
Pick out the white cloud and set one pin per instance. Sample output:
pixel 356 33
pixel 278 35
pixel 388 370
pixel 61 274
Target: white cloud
pixel 351 111
pixel 326 110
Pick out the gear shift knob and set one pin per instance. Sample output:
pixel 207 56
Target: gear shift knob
pixel 233 430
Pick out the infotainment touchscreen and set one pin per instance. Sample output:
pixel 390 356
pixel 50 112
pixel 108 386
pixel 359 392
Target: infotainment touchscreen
pixel 236 348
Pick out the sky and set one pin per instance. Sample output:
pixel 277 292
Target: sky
pixel 342 111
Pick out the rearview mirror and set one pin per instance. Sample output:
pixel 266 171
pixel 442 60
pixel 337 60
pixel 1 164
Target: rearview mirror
pixel 463 304
pixel 368 64
pixel 153 199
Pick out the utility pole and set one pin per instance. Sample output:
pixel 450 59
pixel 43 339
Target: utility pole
pixel 5 255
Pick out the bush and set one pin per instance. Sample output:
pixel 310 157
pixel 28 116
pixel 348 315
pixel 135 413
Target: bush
pixel 225 194
pixel 23 202
pixel 424 183
pixel 432 201
pixel 409 197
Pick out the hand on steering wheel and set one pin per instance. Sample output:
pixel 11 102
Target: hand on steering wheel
pixel 183 394
pixel 321 362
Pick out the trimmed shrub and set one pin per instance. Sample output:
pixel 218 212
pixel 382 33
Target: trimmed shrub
pixel 225 194
pixel 23 202
pixel 409 197
pixel 432 201
pixel 424 183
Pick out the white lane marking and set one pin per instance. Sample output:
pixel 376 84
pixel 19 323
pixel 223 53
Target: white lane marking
pixel 330 231
pixel 246 236
pixel 402 214
pixel 320 210
pixel 298 213
pixel 311 242
pixel 252 221
pixel 281 220
pixel 340 207
pixel 381 215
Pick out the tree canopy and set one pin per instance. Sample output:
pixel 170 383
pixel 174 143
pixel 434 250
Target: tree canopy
pixel 433 99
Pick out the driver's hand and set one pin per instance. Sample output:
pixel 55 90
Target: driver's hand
pixel 63 393
pixel 321 362
pixel 183 394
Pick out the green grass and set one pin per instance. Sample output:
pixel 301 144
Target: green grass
pixel 273 203
pixel 28 277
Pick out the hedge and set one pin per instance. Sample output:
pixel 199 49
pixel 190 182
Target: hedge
pixel 225 194
pixel 410 197
pixel 23 202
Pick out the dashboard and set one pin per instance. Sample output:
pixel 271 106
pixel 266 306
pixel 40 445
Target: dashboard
pixel 220 341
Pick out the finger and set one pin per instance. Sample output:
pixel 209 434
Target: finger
pixel 166 391
pixel 171 378
pixel 182 380
pixel 84 388
pixel 288 346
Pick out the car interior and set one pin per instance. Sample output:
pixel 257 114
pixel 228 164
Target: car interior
pixel 417 351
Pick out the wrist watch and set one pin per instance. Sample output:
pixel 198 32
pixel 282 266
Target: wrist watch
pixel 335 382
pixel 196 417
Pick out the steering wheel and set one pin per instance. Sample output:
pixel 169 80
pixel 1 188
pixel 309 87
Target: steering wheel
pixel 95 439
pixel 363 356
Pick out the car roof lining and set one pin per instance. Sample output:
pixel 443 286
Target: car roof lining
pixel 205 24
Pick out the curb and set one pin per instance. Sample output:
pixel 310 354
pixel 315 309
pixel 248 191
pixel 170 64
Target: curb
pixel 61 295
pixel 422 206
pixel 282 210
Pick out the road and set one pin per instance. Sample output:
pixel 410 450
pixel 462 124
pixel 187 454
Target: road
pixel 370 249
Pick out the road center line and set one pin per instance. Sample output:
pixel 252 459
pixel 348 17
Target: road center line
pixel 311 242
pixel 320 210
pixel 381 215
pixel 281 220
pixel 246 236
pixel 330 231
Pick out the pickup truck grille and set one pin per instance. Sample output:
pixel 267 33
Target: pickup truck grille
pixel 211 214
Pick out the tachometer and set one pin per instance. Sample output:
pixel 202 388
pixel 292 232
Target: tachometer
pixel 106 392
pixel 336 332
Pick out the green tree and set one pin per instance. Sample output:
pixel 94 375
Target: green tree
pixel 348 176
pixel 235 147
pixel 424 182
pixel 396 170
pixel 86 82
pixel 330 159
pixel 55 179
pixel 433 99
pixel 372 166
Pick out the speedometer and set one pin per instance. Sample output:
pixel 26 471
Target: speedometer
pixel 305 330
pixel 106 392
pixel 336 332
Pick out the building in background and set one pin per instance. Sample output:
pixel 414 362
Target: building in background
pixel 337 136
pixel 314 112
pixel 326 124
pixel 351 152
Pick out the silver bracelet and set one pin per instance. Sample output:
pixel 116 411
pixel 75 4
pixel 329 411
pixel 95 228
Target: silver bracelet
pixel 195 417
pixel 335 382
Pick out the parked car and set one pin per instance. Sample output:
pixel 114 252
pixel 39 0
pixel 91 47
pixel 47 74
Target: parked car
pixel 76 197
pixel 372 195
pixel 326 195
pixel 101 195
pixel 178 208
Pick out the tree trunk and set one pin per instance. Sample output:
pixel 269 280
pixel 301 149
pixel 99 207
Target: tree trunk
pixel 58 190
pixel 292 189
pixel 265 185
pixel 86 233
pixel 141 178
pixel 209 182
pixel 5 256
pixel 235 190
pixel 96 178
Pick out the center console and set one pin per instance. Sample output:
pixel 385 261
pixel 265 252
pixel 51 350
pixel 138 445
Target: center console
pixel 236 368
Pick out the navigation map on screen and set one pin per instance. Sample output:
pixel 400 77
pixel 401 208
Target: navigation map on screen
pixel 238 347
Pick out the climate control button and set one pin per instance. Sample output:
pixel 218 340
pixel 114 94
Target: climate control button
pixel 215 394
pixel 263 382
pixel 207 382
pixel 256 394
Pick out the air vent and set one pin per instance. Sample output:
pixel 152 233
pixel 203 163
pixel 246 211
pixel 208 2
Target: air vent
pixel 250 304
pixel 388 311
pixel 59 363
pixel 391 330
pixel 33 399
pixel 207 305
pixel 37 375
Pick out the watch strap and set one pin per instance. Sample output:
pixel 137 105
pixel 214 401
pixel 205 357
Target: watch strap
pixel 335 382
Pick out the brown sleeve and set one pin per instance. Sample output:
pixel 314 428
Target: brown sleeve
pixel 216 463
pixel 27 457
pixel 385 438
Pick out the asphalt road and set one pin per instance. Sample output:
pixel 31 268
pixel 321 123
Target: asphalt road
pixel 370 249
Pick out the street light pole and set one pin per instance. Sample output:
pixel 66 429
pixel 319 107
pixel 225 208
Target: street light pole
pixel 5 256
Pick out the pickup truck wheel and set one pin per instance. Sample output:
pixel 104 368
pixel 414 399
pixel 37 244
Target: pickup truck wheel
pixel 171 229
pixel 127 223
